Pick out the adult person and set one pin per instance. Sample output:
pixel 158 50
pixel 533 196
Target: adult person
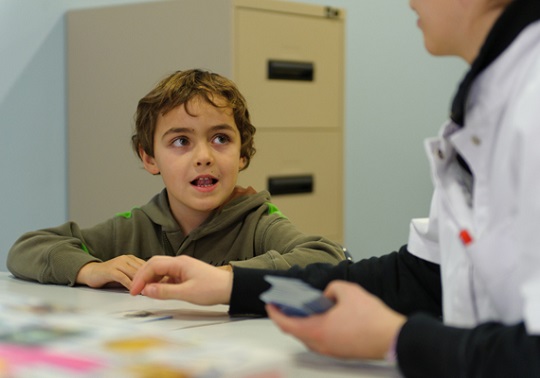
pixel 459 299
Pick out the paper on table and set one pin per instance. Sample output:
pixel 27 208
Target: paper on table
pixel 39 339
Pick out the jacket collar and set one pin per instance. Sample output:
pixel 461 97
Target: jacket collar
pixel 516 17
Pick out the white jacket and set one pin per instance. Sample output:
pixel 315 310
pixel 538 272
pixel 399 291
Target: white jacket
pixel 486 235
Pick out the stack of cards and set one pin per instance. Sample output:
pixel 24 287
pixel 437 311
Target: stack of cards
pixel 295 297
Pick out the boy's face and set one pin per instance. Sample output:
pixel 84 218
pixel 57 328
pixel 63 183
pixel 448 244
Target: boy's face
pixel 198 157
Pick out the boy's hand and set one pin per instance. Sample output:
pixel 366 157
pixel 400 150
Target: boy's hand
pixel 184 278
pixel 119 270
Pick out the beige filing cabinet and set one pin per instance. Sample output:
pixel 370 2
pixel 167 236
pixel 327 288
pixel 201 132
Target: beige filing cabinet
pixel 287 59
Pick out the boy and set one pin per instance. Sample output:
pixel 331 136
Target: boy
pixel 194 130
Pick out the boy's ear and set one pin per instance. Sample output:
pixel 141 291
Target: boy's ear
pixel 243 161
pixel 149 162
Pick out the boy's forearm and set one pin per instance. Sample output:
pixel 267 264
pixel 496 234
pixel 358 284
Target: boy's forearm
pixel 301 256
pixel 44 258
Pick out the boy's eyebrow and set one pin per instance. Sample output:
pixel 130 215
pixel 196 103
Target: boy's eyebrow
pixel 188 130
pixel 177 130
pixel 223 126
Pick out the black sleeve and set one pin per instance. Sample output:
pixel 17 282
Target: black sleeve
pixel 403 281
pixel 427 348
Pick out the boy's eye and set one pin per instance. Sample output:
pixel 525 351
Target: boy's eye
pixel 221 139
pixel 179 142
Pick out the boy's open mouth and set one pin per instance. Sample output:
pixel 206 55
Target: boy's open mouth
pixel 204 181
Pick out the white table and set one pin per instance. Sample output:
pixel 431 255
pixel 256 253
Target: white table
pixel 192 321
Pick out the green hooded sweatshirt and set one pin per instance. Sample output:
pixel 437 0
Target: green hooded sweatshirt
pixel 248 231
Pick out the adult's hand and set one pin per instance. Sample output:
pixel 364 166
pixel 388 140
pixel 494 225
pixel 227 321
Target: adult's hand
pixel 358 326
pixel 183 278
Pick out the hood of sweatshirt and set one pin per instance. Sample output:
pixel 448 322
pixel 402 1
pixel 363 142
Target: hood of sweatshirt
pixel 241 201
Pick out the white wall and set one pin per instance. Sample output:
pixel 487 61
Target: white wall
pixel 396 94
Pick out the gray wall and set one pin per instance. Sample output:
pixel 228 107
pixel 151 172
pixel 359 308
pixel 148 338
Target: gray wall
pixel 396 95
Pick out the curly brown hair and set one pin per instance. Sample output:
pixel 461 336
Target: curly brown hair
pixel 179 88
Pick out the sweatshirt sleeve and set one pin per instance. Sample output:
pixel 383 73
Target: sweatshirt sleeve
pixel 280 245
pixel 404 282
pixel 55 255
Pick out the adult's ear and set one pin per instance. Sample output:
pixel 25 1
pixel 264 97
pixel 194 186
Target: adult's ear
pixel 149 162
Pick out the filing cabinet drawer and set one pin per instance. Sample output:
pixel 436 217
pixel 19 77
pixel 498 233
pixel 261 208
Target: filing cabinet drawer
pixel 302 154
pixel 298 45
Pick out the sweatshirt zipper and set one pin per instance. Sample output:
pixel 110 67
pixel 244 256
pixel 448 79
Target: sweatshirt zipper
pixel 166 244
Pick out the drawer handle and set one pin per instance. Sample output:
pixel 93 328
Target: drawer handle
pixel 288 70
pixel 290 184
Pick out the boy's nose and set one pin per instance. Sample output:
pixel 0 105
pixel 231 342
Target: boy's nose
pixel 203 156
